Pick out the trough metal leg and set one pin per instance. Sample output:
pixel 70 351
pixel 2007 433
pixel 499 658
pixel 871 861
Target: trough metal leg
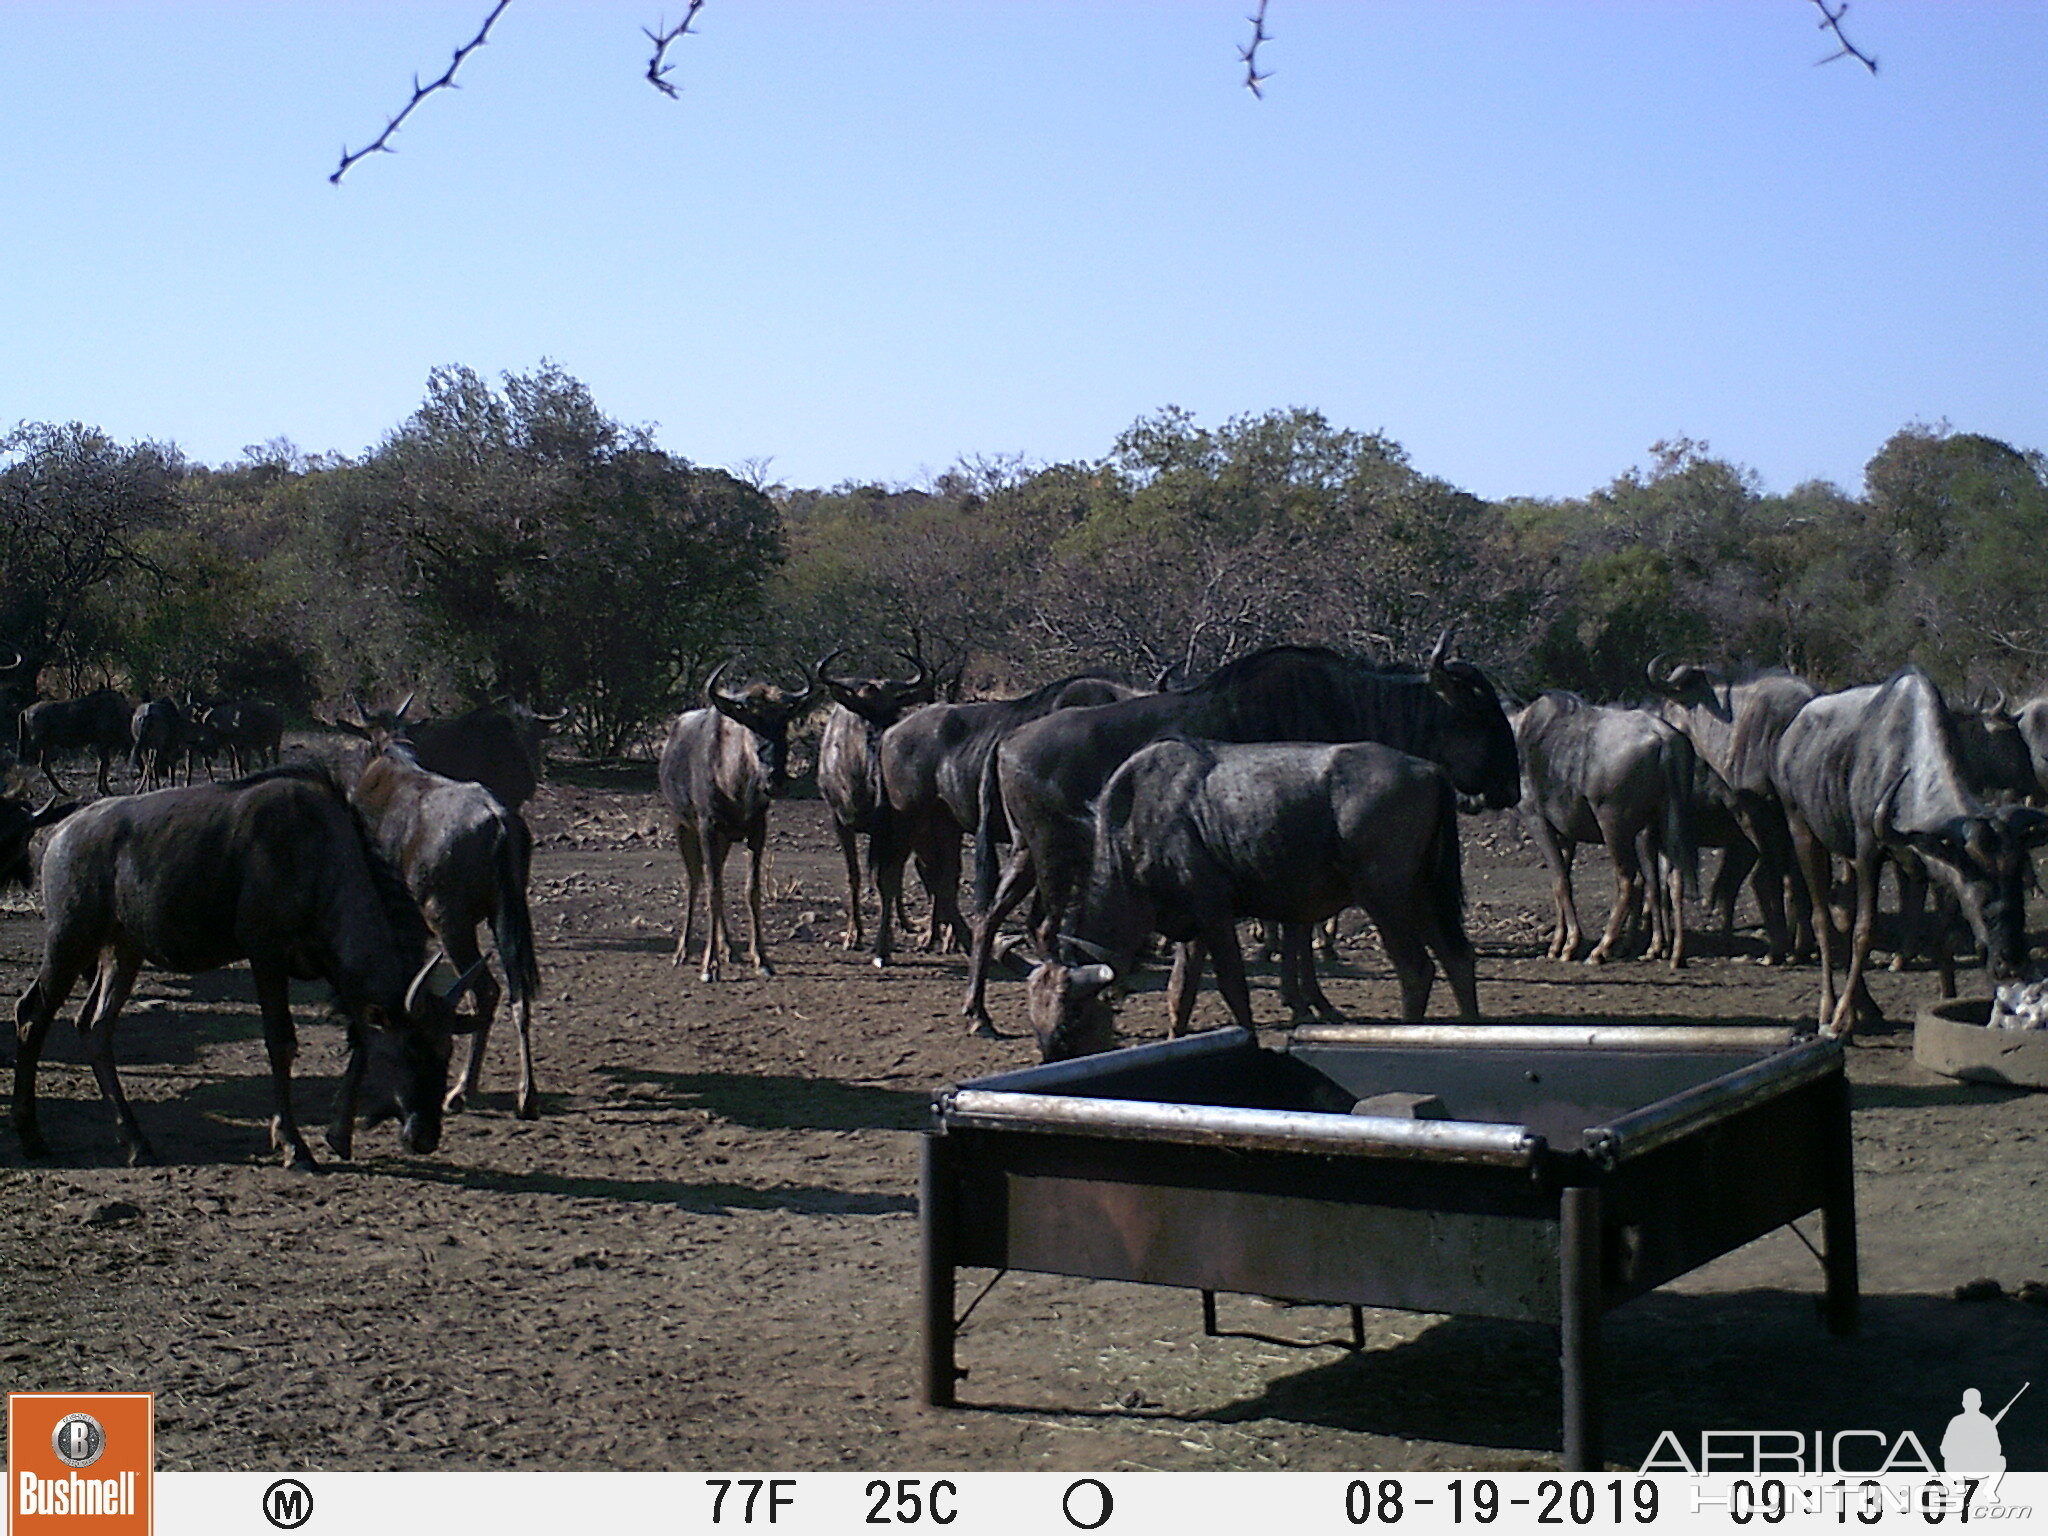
pixel 1841 1306
pixel 1579 1326
pixel 936 1223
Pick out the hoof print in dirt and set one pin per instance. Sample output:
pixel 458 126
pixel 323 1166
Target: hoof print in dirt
pixel 115 1213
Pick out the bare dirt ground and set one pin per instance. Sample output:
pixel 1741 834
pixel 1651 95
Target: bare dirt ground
pixel 704 1253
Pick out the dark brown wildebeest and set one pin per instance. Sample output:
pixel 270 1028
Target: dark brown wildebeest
pixel 99 723
pixel 465 859
pixel 158 732
pixel 1734 723
pixel 1051 770
pixel 850 762
pixel 1594 773
pixel 498 745
pixel 1191 836
pixel 934 763
pixel 1876 770
pixel 17 692
pixel 277 870
pixel 18 824
pixel 249 731
pixel 719 769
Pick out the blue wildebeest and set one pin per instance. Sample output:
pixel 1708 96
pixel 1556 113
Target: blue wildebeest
pixel 2032 721
pixel 1877 770
pixel 277 870
pixel 249 731
pixel 1597 774
pixel 719 769
pixel 1734 723
pixel 1050 771
pixel 935 763
pixel 850 763
pixel 498 745
pixel 158 732
pixel 465 858
pixel 1191 836
pixel 18 824
pixel 97 723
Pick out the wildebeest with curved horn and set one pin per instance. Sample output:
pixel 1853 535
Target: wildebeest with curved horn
pixel 1190 836
pixel 157 729
pixel 935 762
pixel 465 859
pixel 1050 771
pixel 277 870
pixel 1877 770
pixel 850 761
pixel 500 745
pixel 1595 773
pixel 250 731
pixel 98 723
pixel 719 769
pixel 18 825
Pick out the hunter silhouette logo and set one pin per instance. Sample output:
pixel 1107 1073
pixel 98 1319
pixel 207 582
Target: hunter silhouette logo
pixel 1971 1446
pixel 80 1462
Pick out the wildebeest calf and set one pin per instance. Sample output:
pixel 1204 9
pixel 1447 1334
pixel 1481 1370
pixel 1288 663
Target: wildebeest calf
pixel 1190 836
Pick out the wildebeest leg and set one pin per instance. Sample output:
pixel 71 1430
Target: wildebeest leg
pixel 693 877
pixel 341 1130
pixel 849 850
pixel 1944 954
pixel 1272 945
pixel 32 1017
pixel 458 942
pixel 1230 978
pixel 1855 1004
pixel 1298 962
pixel 1674 904
pixel 105 764
pixel 43 762
pixel 96 1024
pixel 938 866
pixel 1818 868
pixel 1912 909
pixel 281 1044
pixel 1557 854
pixel 1628 893
pixel 1326 938
pixel 757 857
pixel 1738 859
pixel 1183 985
pixel 1410 960
pixel 716 847
pixel 1017 883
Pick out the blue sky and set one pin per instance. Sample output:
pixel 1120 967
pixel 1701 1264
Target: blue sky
pixel 1525 240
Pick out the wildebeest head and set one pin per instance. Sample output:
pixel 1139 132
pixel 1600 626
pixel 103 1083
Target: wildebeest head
pixel 880 701
pixel 1478 745
pixel 1683 684
pixel 1072 1008
pixel 380 728
pixel 18 824
pixel 405 1071
pixel 1985 860
pixel 766 710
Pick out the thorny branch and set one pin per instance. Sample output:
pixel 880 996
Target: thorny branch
pixel 1249 52
pixel 419 94
pixel 1832 22
pixel 661 37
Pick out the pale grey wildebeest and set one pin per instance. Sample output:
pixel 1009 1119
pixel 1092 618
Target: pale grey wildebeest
pixel 1877 770
pixel 1050 771
pixel 1191 836
pixel 1592 773
pixel 277 870
pixel 1734 723
pixel 850 765
pixel 157 729
pixel 466 860
pixel 935 766
pixel 720 768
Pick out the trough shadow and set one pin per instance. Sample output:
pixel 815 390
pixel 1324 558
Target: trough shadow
pixel 634 775
pixel 1931 1095
pixel 781 1102
pixel 704 1199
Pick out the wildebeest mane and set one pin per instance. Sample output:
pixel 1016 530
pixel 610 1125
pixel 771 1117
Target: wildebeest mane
pixel 1321 685
pixel 1052 690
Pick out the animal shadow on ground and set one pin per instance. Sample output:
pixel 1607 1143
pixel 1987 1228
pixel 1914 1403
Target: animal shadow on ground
pixel 783 1103
pixel 707 1199
pixel 1757 1359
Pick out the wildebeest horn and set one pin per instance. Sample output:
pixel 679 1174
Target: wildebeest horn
pixel 555 719
pixel 1659 678
pixel 923 672
pixel 711 692
pixel 464 982
pixel 400 711
pixel 1160 682
pixel 1092 951
pixel 18 660
pixel 354 703
pixel 1439 670
pixel 824 670
pixel 412 993
pixel 810 687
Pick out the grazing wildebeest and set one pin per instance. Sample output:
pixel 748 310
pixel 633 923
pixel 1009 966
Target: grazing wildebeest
pixel 719 769
pixel 18 824
pixel 1597 774
pixel 1190 836
pixel 498 745
pixel 158 732
pixel 934 764
pixel 1051 770
pixel 277 870
pixel 202 742
pixel 850 762
pixel 99 723
pixel 1877 770
pixel 465 859
pixel 2032 720
pixel 1734 724
pixel 249 731
pixel 17 692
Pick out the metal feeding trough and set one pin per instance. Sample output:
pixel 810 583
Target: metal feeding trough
pixel 1954 1038
pixel 1573 1169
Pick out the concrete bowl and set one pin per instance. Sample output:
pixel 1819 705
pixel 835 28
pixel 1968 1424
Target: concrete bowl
pixel 1954 1039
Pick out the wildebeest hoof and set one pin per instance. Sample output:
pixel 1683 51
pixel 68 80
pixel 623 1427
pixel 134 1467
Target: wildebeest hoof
pixel 454 1103
pixel 300 1160
pixel 342 1146
pixel 984 1029
pixel 141 1156
pixel 881 962
pixel 1598 957
pixel 764 970
pixel 529 1109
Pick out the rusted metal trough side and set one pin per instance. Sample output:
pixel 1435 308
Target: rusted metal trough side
pixel 1583 1166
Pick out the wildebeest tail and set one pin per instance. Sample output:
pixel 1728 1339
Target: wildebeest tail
pixel 1446 864
pixel 514 924
pixel 991 827
pixel 1679 844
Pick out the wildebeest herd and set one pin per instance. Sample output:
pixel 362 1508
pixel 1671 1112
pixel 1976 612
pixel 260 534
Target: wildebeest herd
pixel 1286 787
